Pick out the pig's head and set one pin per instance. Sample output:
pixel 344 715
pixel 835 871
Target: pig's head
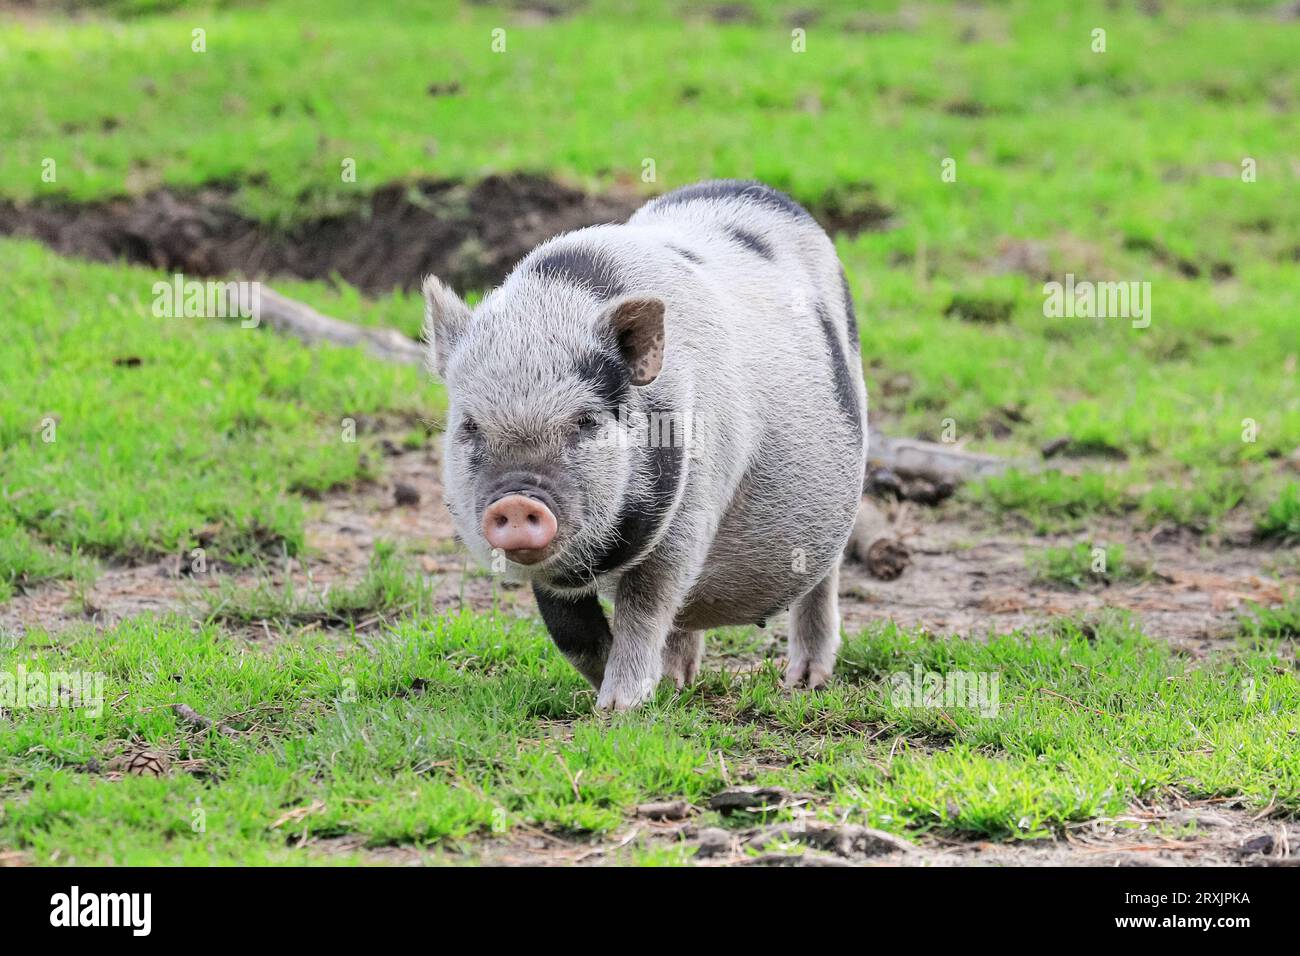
pixel 538 469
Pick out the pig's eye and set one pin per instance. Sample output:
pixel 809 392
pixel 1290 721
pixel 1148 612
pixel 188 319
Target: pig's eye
pixel 469 428
pixel 590 423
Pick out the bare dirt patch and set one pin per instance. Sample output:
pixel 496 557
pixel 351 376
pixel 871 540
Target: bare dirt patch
pixel 1204 832
pixel 470 235
pixel 966 576
pixel 973 579
pixel 341 538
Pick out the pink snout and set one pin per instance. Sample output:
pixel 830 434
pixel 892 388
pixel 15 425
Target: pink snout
pixel 520 526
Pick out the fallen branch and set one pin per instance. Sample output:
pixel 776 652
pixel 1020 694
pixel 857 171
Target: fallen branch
pixel 674 810
pixel 913 458
pixel 192 717
pixel 302 321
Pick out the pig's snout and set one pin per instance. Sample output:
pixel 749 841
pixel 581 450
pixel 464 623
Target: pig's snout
pixel 520 526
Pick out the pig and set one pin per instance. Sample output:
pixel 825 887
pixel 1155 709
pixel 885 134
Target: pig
pixel 670 414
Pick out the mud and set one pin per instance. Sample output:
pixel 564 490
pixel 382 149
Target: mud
pixel 469 235
pixel 969 576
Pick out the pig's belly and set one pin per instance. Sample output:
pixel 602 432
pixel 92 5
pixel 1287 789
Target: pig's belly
pixel 768 553
pixel 722 600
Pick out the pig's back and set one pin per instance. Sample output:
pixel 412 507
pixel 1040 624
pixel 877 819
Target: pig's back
pixel 773 268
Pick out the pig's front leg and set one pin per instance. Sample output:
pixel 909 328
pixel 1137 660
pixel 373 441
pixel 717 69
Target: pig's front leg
pixel 579 629
pixel 648 599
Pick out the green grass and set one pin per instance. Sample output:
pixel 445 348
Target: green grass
pixel 127 436
pixel 454 728
pixel 26 563
pixel 1117 165
pixel 1281 521
pixel 389 587
pixel 1266 624
pixel 1085 565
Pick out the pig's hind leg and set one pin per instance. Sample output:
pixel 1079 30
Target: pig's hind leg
pixel 682 655
pixel 815 633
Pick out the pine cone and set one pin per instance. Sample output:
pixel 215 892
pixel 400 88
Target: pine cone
pixel 142 763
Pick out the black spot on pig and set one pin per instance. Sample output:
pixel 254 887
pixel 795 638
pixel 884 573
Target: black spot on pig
pixel 854 342
pixel 844 393
pixel 577 625
pixel 751 242
pixel 686 254
pixel 585 268
pixel 607 375
pixel 642 515
pixel 749 191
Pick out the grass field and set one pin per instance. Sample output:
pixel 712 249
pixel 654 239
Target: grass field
pixel 127 437
pixel 988 148
pixel 455 726
pixel 1122 165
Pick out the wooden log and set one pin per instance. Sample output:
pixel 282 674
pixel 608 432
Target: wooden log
pixel 302 321
pixel 875 546
pixel 192 717
pixel 913 458
pixel 672 810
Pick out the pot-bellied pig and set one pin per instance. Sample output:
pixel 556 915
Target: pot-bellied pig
pixel 670 414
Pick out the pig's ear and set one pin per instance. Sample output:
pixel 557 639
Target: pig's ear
pixel 445 316
pixel 638 324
